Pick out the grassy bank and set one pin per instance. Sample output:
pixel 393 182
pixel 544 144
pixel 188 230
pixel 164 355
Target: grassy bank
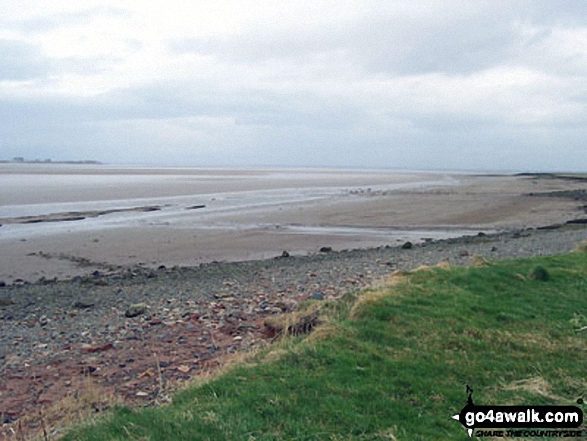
pixel 392 363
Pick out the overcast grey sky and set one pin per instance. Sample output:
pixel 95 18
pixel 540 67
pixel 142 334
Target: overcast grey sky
pixel 457 84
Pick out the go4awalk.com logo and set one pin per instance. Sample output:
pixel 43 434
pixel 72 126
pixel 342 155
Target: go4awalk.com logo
pixel 521 421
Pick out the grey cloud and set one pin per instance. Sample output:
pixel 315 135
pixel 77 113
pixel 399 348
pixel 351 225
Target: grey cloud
pixel 379 41
pixel 459 38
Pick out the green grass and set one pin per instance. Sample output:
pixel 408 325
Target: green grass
pixel 392 364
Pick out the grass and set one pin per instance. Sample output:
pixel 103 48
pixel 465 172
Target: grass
pixel 392 363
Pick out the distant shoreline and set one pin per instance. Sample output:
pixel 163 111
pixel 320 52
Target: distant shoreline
pixel 48 161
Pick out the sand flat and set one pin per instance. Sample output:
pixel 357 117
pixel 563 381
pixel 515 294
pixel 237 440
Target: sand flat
pixel 246 214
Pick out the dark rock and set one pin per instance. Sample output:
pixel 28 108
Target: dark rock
pixel 577 222
pixel 6 418
pixel 196 207
pixel 83 304
pixel 317 296
pixel 285 254
pixel 407 246
pixel 326 249
pixel 86 370
pixel 481 234
pixel 550 227
pixel 136 310
pixel 6 301
pixel 2 284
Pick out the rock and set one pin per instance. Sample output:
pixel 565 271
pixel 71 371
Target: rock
pixel 99 348
pixel 86 370
pixel 6 418
pixel 141 394
pixel 550 227
pixel 6 301
pixel 136 310
pixel 407 246
pixel 576 222
pixel 222 295
pixel 464 253
pixel 285 254
pixel 326 249
pixel 317 296
pixel 2 284
pixel 83 304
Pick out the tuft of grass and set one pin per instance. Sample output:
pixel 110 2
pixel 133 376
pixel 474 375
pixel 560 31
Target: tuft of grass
pixel 581 247
pixel 393 363
pixel 540 273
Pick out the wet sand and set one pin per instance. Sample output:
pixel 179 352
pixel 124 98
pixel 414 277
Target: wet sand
pixel 70 221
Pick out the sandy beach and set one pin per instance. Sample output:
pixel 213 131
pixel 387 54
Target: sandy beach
pixel 62 221
pixel 134 293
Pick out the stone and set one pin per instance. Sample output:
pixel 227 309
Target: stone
pixel 83 304
pixel 136 310
pixel 407 245
pixel 98 348
pixel 6 301
pixel 326 249
pixel 317 296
